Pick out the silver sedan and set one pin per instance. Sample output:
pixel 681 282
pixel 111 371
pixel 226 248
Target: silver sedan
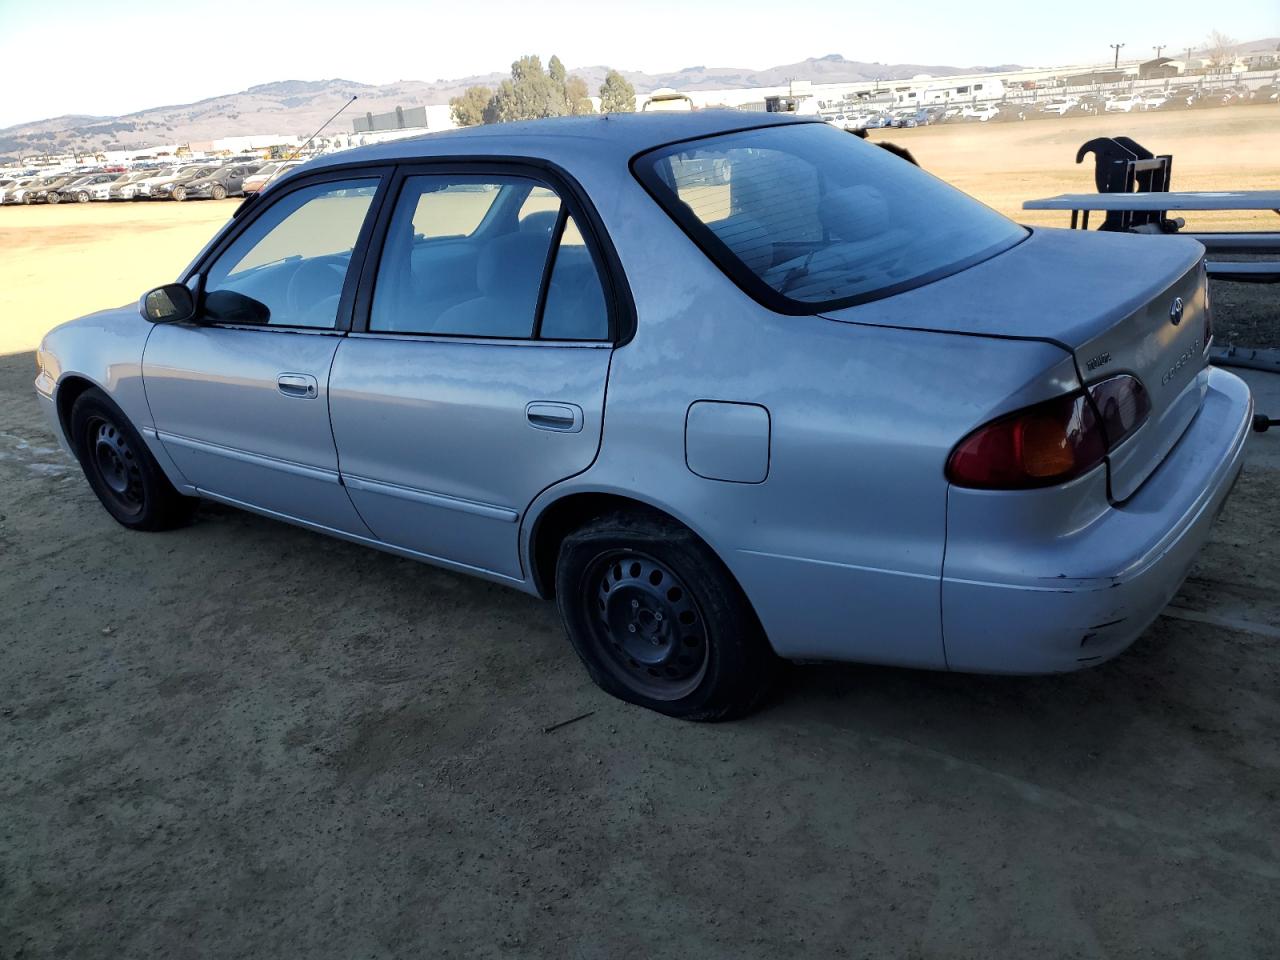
pixel 732 389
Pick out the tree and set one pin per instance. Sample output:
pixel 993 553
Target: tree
pixel 616 94
pixel 530 94
pixel 468 110
pixel 1221 51
pixel 576 97
pixel 555 70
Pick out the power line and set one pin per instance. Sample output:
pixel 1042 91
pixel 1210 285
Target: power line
pixel 1116 47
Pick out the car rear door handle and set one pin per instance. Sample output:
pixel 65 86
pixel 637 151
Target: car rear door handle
pixel 558 417
pixel 300 385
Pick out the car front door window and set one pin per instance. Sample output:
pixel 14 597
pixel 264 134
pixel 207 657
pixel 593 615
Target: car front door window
pixel 289 266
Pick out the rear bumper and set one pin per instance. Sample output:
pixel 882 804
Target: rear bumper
pixel 1047 607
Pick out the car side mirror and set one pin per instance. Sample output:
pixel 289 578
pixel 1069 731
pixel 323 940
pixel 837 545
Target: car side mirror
pixel 172 303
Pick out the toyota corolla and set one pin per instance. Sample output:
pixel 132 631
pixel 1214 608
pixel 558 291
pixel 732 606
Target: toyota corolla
pixel 824 408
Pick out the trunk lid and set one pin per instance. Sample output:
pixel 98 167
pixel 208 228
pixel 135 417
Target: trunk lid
pixel 1108 298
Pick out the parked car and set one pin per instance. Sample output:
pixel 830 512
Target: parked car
pixel 264 175
pixel 142 190
pixel 224 182
pixel 1092 103
pixel 1061 108
pixel 15 191
pixel 981 112
pixel 39 191
pixel 81 189
pixel 1267 93
pixel 912 431
pixel 174 187
pixel 123 187
pixel 1125 103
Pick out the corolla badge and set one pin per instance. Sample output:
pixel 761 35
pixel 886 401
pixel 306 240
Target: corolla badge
pixel 1175 311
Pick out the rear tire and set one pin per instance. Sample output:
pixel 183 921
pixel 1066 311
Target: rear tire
pixel 121 470
pixel 658 620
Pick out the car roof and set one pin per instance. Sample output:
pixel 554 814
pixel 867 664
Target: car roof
pixel 614 136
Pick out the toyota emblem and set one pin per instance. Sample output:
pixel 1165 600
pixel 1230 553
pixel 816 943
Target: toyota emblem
pixel 1175 311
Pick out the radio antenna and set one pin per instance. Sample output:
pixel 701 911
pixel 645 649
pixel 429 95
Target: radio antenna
pixel 321 127
pixel 294 155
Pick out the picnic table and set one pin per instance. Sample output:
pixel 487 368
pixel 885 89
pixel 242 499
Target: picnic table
pixel 1254 242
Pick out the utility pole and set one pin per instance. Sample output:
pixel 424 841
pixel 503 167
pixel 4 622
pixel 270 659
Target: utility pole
pixel 1158 49
pixel 1116 47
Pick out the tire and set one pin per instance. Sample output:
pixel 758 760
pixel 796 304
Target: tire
pixel 121 470
pixel 218 192
pixel 659 622
pixel 82 197
pixel 52 197
pixel 179 194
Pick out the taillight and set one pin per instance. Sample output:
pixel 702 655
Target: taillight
pixel 1052 442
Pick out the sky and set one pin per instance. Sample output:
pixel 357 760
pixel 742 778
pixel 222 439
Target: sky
pixel 90 57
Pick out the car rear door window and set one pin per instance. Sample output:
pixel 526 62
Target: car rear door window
pixel 289 265
pixel 486 256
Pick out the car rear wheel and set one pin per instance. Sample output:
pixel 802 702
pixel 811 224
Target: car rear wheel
pixel 658 621
pixel 121 470
pixel 218 192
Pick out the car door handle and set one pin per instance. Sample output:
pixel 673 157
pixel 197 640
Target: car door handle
pixel 300 385
pixel 559 417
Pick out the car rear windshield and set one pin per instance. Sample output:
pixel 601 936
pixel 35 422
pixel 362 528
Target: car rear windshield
pixel 805 217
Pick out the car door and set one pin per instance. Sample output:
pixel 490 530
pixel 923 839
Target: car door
pixel 240 397
pixel 476 374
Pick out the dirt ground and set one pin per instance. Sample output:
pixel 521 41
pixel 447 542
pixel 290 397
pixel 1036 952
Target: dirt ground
pixel 241 739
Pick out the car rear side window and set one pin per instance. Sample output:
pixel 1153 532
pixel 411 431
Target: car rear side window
pixel 519 271
pixel 805 217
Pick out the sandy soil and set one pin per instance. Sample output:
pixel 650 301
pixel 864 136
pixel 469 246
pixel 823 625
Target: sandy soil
pixel 241 739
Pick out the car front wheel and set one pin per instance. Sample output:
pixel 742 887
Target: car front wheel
pixel 121 470
pixel 658 621
pixel 179 193
pixel 218 192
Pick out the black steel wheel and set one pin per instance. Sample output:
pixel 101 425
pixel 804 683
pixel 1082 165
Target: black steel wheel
pixel 116 463
pixel 658 621
pixel 120 469
pixel 647 624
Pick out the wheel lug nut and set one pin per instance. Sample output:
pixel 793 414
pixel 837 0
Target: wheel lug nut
pixel 635 604
pixel 631 627
pixel 657 616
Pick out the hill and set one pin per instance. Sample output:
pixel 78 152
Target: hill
pixel 299 106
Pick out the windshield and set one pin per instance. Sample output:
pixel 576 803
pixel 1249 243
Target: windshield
pixel 807 218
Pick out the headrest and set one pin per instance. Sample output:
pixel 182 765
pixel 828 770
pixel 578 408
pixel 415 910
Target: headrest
pixel 512 264
pixel 542 222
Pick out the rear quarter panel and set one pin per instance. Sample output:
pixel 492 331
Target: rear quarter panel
pixel 840 548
